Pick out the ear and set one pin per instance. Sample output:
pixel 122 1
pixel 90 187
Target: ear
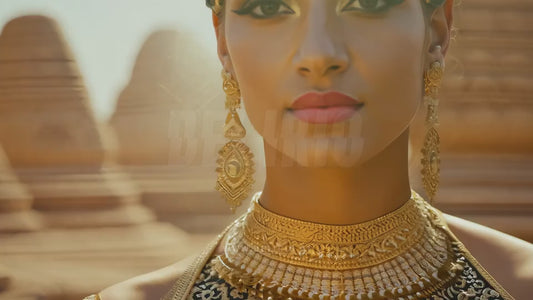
pixel 440 27
pixel 222 48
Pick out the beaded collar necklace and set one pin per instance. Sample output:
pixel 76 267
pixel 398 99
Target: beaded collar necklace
pixel 405 253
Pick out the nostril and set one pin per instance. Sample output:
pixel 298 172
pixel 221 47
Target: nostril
pixel 332 68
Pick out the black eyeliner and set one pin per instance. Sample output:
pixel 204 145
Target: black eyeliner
pixel 250 5
pixel 246 8
pixel 387 6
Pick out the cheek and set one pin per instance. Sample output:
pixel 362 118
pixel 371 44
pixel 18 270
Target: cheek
pixel 259 65
pixel 392 68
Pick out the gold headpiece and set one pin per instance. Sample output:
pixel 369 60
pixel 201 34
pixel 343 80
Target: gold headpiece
pixel 216 6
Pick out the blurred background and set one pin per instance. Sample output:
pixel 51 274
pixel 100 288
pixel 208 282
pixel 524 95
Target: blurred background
pixel 111 115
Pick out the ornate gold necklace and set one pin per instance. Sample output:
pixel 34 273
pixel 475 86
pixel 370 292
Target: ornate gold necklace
pixel 405 254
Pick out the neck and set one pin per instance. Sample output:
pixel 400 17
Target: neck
pixel 339 195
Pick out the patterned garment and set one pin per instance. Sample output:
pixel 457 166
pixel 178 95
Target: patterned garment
pixel 210 286
pixel 470 285
pixel 461 278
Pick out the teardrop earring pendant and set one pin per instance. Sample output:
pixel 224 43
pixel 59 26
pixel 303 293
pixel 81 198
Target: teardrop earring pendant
pixel 431 149
pixel 235 166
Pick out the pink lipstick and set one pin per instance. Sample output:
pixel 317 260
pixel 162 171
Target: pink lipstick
pixel 324 108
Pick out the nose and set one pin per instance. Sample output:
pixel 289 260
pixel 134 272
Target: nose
pixel 321 52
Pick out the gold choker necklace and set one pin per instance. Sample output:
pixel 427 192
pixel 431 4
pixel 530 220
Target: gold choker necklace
pixel 404 254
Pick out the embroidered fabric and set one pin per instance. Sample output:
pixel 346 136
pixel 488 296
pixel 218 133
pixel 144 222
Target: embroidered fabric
pixel 470 281
pixel 470 284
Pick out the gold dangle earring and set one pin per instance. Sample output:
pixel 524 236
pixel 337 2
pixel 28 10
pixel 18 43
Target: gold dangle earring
pixel 431 150
pixel 235 166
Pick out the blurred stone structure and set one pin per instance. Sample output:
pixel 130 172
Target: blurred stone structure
pixel 5 278
pixel 486 117
pixel 169 122
pixel 50 135
pixel 97 231
pixel 16 214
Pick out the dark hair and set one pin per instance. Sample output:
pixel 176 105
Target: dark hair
pixel 210 3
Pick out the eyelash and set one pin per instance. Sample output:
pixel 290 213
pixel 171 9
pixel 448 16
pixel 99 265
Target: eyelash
pixel 251 5
pixel 385 5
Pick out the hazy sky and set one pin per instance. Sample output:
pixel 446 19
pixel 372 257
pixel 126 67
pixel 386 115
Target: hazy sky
pixel 106 35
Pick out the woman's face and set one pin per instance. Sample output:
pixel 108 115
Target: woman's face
pixel 358 63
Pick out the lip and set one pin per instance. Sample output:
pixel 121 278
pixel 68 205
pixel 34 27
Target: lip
pixel 325 108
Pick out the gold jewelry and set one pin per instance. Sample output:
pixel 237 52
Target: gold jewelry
pixel 217 6
pixel 235 166
pixel 431 150
pixel 402 254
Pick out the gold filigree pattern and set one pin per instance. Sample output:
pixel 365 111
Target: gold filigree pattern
pixel 233 128
pixel 402 253
pixel 433 81
pixel 431 162
pixel 235 168
pixel 232 91
pixel 462 278
pixel 431 150
pixel 335 247
pixel 469 284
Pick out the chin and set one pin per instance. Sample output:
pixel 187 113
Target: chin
pixel 330 152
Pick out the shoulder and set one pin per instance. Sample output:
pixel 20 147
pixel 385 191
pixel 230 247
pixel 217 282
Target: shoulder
pixel 508 259
pixel 153 285
pixel 156 284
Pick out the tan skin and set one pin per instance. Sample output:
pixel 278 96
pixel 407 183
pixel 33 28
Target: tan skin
pixel 343 56
pixel 320 46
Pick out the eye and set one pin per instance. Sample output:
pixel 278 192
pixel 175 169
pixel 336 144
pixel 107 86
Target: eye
pixel 264 9
pixel 370 6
